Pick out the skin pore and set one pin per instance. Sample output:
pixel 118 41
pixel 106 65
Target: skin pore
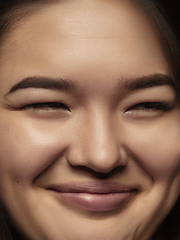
pixel 87 98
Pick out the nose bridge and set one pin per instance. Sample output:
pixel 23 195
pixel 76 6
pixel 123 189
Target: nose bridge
pixel 99 135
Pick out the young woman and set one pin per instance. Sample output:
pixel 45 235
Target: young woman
pixel 89 121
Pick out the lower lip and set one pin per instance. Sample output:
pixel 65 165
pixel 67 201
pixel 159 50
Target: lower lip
pixel 96 202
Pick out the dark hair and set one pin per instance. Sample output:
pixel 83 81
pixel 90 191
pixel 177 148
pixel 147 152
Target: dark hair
pixel 166 18
pixel 165 14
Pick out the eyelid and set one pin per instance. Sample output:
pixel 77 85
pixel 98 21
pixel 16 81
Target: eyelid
pixel 153 105
pixel 142 112
pixel 38 106
pixel 23 98
pixel 29 96
pixel 41 105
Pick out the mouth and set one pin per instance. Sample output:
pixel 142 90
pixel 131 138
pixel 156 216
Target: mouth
pixel 94 197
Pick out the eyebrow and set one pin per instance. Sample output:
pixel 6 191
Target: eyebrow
pixel 45 83
pixel 67 85
pixel 148 82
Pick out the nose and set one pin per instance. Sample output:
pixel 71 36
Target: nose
pixel 97 145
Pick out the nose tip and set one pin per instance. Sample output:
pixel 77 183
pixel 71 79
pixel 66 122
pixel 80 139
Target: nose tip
pixel 105 154
pixel 101 158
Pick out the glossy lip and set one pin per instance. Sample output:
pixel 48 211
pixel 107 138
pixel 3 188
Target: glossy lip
pixel 94 197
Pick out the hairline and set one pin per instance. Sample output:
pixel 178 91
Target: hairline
pixel 18 14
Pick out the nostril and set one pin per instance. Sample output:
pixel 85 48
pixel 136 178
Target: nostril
pixel 102 154
pixel 105 175
pixel 100 174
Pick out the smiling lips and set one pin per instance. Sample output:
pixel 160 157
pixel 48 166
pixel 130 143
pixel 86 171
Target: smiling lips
pixel 95 197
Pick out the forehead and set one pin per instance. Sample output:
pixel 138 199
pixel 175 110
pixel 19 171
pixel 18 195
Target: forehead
pixel 116 18
pixel 116 35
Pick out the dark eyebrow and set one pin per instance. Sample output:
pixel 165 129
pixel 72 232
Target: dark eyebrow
pixel 67 85
pixel 148 82
pixel 44 82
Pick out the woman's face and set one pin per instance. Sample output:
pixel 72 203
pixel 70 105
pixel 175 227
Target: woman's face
pixel 90 124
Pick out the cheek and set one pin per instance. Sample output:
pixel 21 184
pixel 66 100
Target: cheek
pixel 28 148
pixel 157 150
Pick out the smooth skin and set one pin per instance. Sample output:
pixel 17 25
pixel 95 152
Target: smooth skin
pixel 99 47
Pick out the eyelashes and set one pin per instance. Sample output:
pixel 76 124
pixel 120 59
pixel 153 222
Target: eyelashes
pixel 149 106
pixel 140 111
pixel 148 110
pixel 46 106
pixel 144 106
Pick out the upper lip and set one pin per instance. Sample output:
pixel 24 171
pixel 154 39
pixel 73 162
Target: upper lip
pixel 92 188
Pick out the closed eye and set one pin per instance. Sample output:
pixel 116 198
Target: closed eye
pixel 149 110
pixel 46 106
pixel 149 106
